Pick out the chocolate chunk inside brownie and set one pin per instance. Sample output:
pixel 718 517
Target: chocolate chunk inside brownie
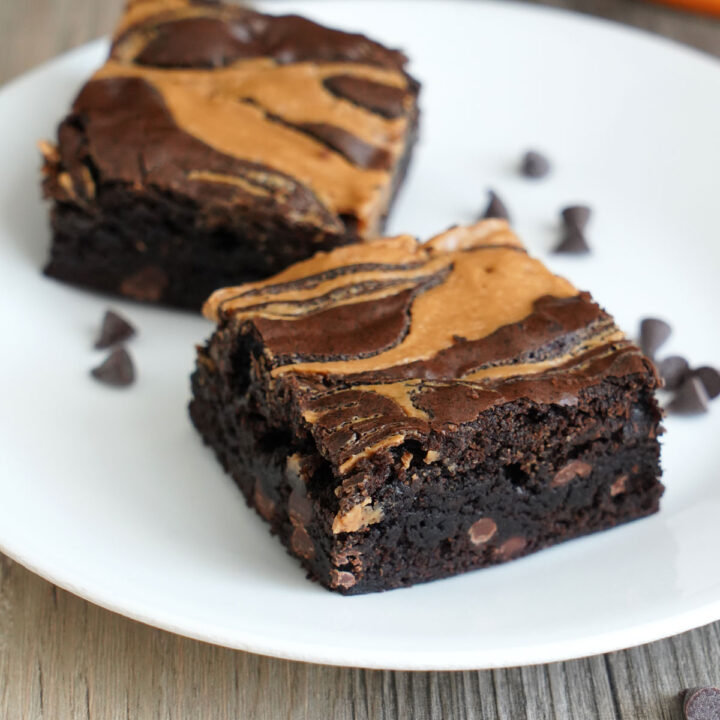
pixel 400 412
pixel 218 145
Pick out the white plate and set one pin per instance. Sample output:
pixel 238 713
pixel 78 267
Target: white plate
pixel 111 494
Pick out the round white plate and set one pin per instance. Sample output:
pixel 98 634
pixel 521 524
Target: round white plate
pixel 111 494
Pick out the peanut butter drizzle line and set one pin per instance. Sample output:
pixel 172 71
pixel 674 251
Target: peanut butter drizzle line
pixel 401 391
pixel 487 289
pixel 490 285
pixel 397 250
pixel 207 104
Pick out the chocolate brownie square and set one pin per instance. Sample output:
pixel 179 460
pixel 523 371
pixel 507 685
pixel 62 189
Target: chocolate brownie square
pixel 218 145
pixel 400 412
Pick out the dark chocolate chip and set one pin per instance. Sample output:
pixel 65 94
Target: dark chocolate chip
pixel 690 399
pixel 534 165
pixel 702 703
pixel 570 471
pixel 496 207
pixel 116 370
pixel 114 330
pixel 573 243
pixel 673 370
pixel 653 334
pixel 147 284
pixel 482 530
pixel 710 378
pixel 576 216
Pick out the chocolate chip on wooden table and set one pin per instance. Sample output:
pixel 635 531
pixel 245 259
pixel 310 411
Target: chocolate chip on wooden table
pixel 702 703
pixel 710 378
pixel 653 334
pixel 115 329
pixel 496 207
pixel 534 165
pixel 116 370
pixel 690 399
pixel 673 370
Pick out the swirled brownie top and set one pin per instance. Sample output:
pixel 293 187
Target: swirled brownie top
pixel 223 103
pixel 391 340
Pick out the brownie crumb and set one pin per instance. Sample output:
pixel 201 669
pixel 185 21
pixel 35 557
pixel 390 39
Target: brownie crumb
pixel 496 207
pixel 534 165
pixel 116 370
pixel 115 329
pixel 701 703
pixel 653 335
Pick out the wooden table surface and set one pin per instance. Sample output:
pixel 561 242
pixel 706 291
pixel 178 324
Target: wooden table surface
pixel 61 657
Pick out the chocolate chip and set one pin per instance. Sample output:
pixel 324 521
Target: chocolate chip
pixel 148 284
pixel 710 378
pixel 702 703
pixel 116 370
pixel 534 165
pixel 512 547
pixel 653 334
pixel 576 216
pixel 673 370
pixel 114 330
pixel 573 243
pixel 342 578
pixel 568 472
pixel 619 485
pixel 496 207
pixel 690 399
pixel 301 543
pixel 482 530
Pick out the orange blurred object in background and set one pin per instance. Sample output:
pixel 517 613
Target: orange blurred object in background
pixel 707 6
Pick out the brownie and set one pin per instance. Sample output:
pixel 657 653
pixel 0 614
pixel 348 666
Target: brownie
pixel 401 412
pixel 218 145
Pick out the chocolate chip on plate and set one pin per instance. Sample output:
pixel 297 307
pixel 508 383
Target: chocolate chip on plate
pixel 496 207
pixel 673 370
pixel 576 216
pixel 115 329
pixel 690 398
pixel 710 378
pixel 653 334
pixel 702 703
pixel 573 243
pixel 534 165
pixel 117 369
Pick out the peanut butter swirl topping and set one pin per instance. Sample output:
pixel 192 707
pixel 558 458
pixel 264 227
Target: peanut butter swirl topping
pixel 389 341
pixel 218 100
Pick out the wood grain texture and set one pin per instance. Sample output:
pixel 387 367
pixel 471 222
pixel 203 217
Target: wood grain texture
pixel 61 657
